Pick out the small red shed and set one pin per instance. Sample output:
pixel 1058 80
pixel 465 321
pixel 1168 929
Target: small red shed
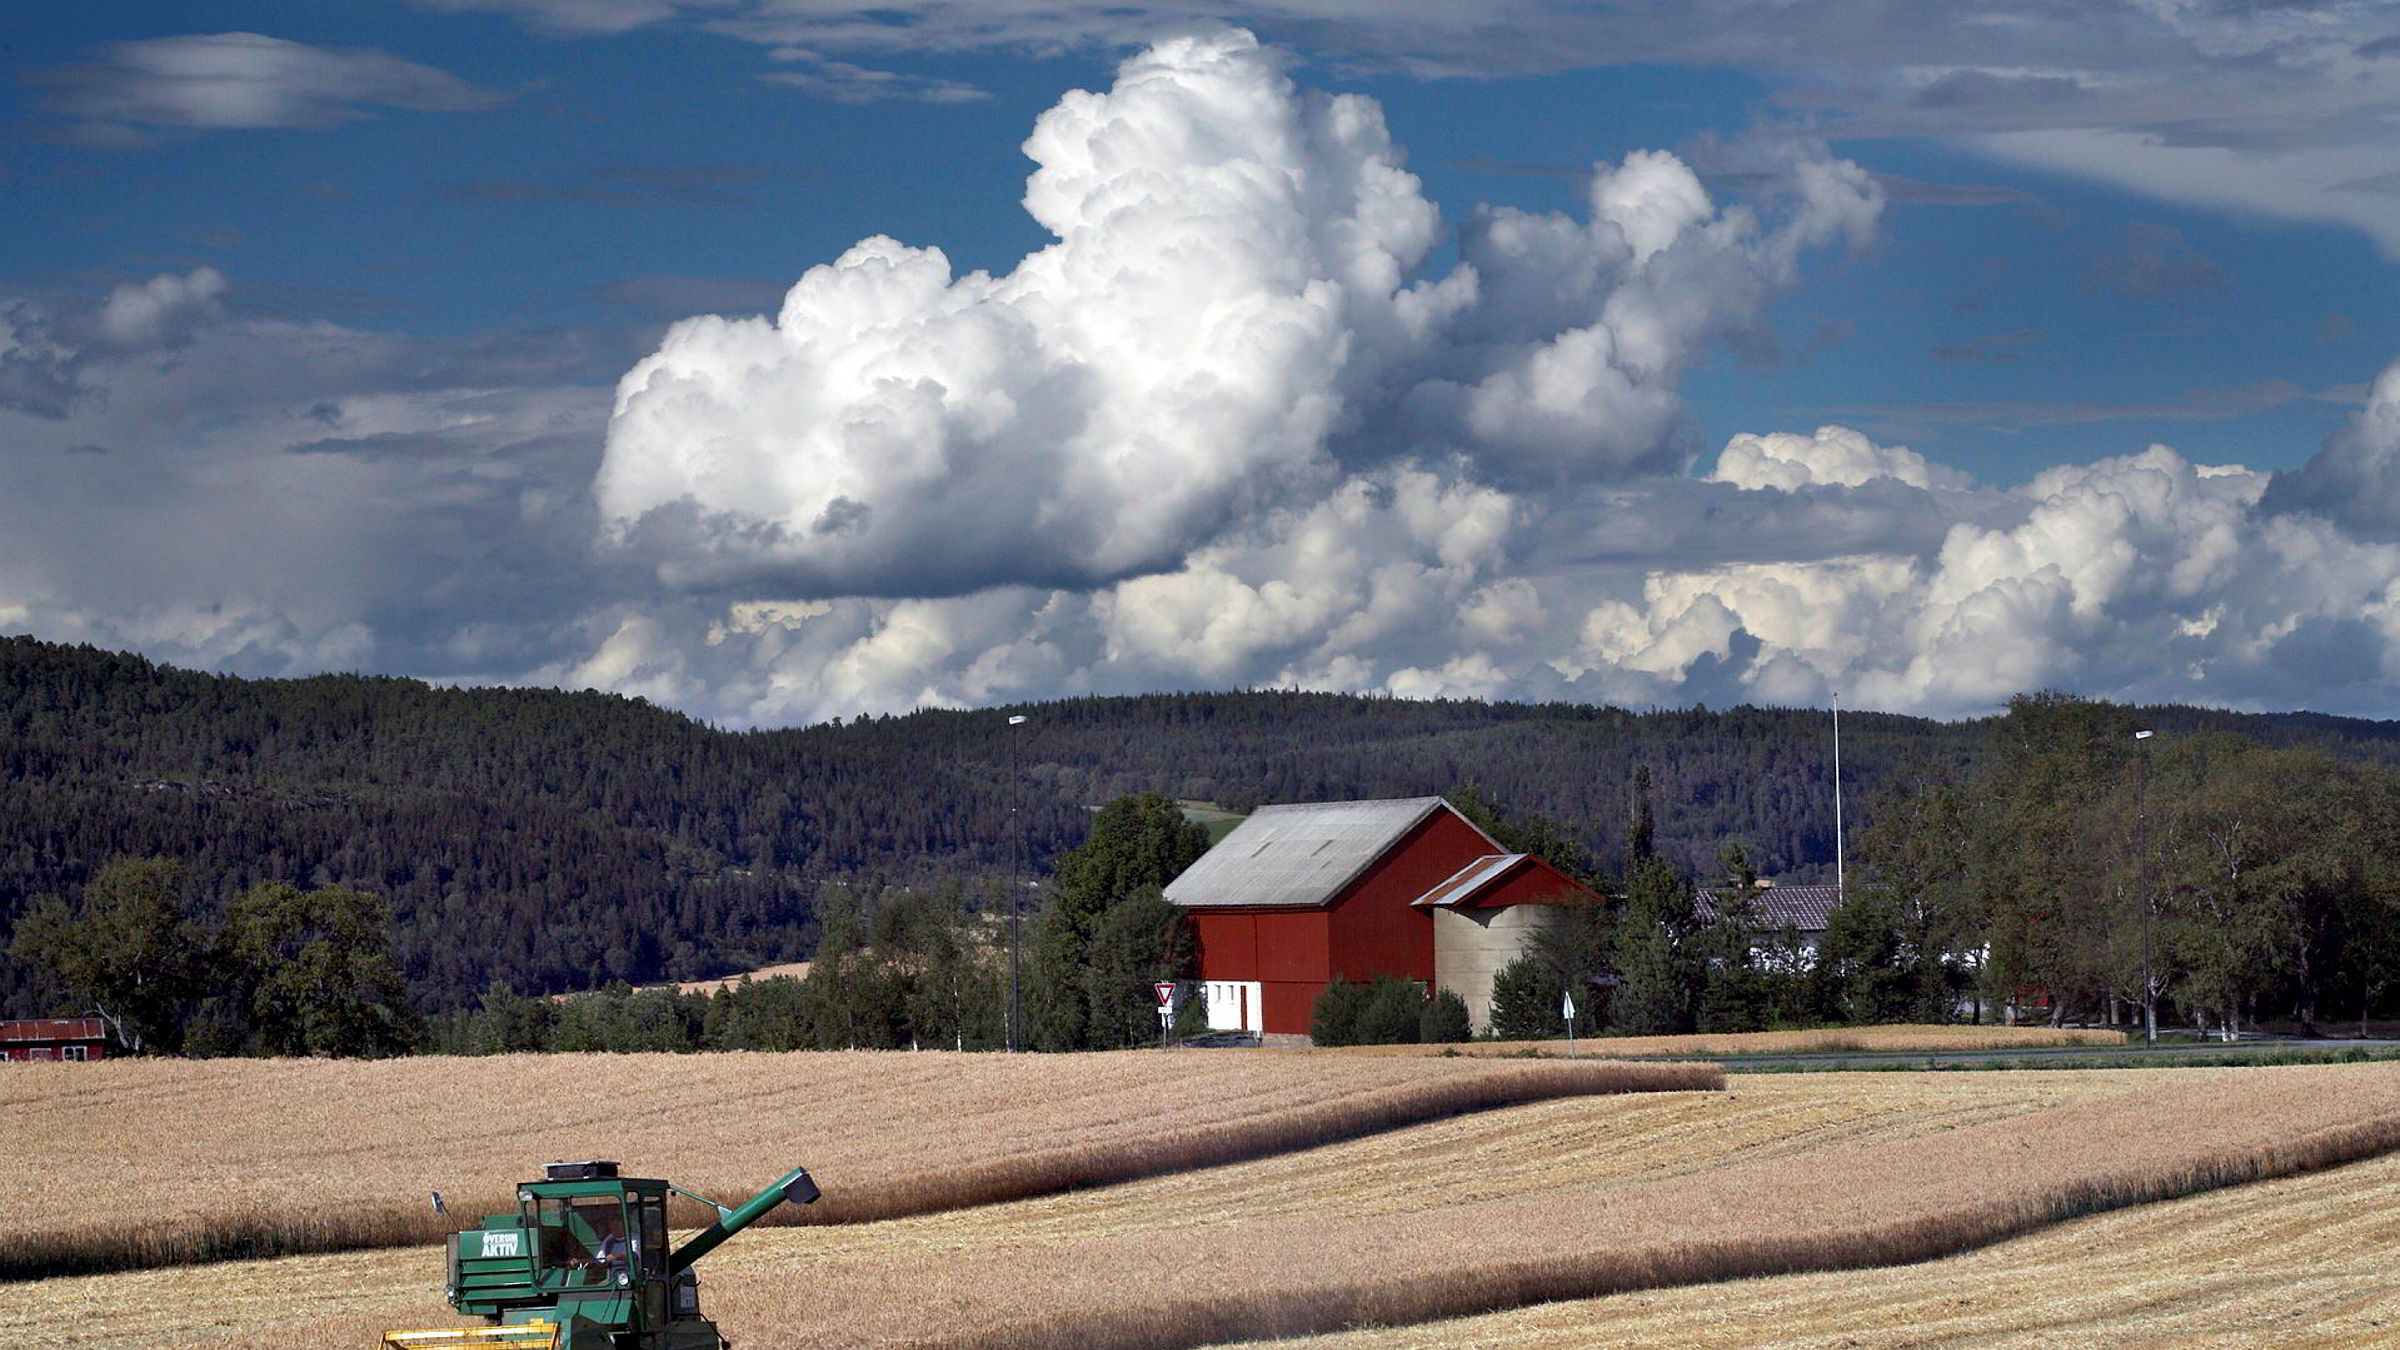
pixel 74 1039
pixel 1301 895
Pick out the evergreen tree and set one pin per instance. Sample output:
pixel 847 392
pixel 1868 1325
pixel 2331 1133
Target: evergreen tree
pixel 1054 1013
pixel 1552 841
pixel 1641 834
pixel 1858 962
pixel 853 1001
pixel 1658 970
pixel 1138 844
pixel 768 1014
pixel 509 1023
pixel 1139 942
pixel 1526 999
pixel 1333 1018
pixel 1389 1012
pixel 1444 1020
pixel 1734 995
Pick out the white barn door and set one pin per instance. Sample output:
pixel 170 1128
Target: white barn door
pixel 1234 1005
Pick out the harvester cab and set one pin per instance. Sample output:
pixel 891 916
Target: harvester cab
pixel 583 1264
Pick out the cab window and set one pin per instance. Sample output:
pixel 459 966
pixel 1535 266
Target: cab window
pixel 583 1239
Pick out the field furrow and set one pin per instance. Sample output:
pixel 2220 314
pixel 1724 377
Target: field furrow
pixel 2297 1261
pixel 1557 1199
pixel 279 1156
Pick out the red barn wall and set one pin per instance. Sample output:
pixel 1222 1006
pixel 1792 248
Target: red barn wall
pixel 1284 950
pixel 1534 883
pixel 1377 927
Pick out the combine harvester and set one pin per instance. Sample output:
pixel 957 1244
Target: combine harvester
pixel 583 1264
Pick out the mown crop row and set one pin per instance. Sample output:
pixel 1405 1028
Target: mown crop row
pixel 1567 1198
pixel 1840 1207
pixel 2296 1261
pixel 272 1158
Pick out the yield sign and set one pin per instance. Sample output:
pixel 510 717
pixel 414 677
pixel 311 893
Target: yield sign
pixel 1166 992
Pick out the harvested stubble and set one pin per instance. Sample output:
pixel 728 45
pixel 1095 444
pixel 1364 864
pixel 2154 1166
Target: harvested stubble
pixel 2299 1261
pixel 1847 1206
pixel 1558 1199
pixel 1921 1039
pixel 277 1157
pixel 1521 1151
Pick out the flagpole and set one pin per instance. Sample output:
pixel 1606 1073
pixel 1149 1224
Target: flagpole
pixel 1839 876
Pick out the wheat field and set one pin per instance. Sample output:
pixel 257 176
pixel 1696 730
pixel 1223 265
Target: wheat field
pixel 272 1157
pixel 2294 1262
pixel 1556 1199
pixel 1918 1038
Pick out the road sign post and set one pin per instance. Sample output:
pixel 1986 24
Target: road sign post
pixel 1166 1008
pixel 1567 1010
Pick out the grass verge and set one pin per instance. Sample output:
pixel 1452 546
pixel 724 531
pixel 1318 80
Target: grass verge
pixel 2231 1059
pixel 1821 1041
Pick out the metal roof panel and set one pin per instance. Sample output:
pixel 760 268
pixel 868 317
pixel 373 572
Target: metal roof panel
pixel 1805 908
pixel 1471 878
pixel 1298 855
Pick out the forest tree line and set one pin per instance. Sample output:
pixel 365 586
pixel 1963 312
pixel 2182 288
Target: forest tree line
pixel 288 971
pixel 2076 872
pixel 561 842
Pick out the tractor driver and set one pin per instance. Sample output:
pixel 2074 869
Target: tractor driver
pixel 612 1249
pixel 607 1255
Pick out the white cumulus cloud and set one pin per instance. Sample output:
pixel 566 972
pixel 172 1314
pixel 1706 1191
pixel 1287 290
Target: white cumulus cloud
pixel 1834 455
pixel 1233 319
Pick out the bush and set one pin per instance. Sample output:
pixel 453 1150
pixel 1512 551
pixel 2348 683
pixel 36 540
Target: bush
pixel 1444 1021
pixel 1390 1012
pixel 1333 1020
pixel 1525 1001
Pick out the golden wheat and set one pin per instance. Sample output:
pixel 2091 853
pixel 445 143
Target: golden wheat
pixel 1561 1199
pixel 1922 1039
pixel 2299 1261
pixel 275 1157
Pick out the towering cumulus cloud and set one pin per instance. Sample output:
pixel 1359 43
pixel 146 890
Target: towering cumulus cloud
pixel 1230 428
pixel 1233 319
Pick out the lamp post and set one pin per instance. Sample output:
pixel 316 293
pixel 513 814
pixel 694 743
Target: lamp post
pixel 2141 872
pixel 1016 875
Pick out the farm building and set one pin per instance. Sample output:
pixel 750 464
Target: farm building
pixel 1299 896
pixel 54 1038
pixel 1770 911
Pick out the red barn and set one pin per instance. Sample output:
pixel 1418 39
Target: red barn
pixel 1299 896
pixel 57 1038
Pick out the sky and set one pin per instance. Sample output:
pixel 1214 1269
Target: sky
pixel 780 360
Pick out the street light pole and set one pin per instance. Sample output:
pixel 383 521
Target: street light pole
pixel 2141 871
pixel 1016 876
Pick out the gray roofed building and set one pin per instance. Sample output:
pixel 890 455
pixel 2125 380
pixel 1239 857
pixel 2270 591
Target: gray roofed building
pixel 1805 909
pixel 1299 855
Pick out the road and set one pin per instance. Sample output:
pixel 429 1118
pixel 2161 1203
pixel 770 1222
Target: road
pixel 2041 1056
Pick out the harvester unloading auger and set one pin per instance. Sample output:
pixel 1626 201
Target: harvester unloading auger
pixel 583 1264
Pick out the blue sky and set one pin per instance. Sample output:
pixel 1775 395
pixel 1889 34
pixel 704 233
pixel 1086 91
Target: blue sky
pixel 2092 229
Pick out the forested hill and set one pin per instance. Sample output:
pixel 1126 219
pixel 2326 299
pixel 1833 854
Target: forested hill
pixel 563 840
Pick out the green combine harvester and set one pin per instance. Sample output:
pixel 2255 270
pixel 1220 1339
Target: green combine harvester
pixel 583 1264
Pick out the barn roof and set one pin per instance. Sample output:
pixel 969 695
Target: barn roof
pixel 53 1029
pixel 1300 854
pixel 1471 878
pixel 1805 908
